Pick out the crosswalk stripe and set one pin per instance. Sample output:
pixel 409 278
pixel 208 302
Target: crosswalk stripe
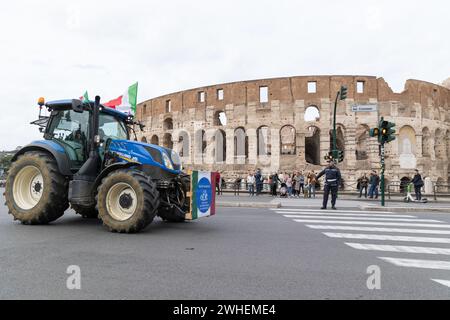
pixel 371 223
pixel 374 229
pixel 363 218
pixel 386 237
pixel 347 214
pixel 422 264
pixel 315 210
pixel 402 249
pixel 443 282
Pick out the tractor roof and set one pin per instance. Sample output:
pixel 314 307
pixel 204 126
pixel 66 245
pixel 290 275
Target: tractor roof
pixel 67 104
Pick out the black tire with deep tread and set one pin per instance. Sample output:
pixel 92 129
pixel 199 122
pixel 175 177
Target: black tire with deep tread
pixel 148 201
pixel 85 212
pixel 53 202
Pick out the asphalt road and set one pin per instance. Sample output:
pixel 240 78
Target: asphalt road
pixel 238 254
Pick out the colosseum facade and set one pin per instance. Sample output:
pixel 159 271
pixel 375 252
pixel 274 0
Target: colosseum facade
pixel 284 124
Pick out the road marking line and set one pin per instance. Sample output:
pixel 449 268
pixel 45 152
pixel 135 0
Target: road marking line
pixel 371 229
pixel 386 237
pixel 422 264
pixel 364 218
pixel 323 211
pixel 349 214
pixel 403 249
pixel 370 223
pixel 443 282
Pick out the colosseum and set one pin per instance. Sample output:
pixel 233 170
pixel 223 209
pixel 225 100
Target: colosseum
pixel 284 124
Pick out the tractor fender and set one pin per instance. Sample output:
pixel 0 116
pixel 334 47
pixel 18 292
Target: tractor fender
pixel 109 169
pixel 52 148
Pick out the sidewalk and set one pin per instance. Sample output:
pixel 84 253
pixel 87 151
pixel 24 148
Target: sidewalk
pixel 344 202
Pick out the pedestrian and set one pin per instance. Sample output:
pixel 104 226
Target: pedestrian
pixel 374 182
pixel 251 184
pixel 289 185
pixel 259 182
pixel 418 184
pixel 300 184
pixel 332 181
pixel 218 183
pixel 274 180
pixel 312 181
pixel 363 183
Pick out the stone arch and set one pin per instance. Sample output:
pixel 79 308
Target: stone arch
pixel 426 142
pixel 287 140
pixel 220 150
pixel 312 114
pixel 240 143
pixel 144 139
pixel 362 139
pixel 167 141
pixel 220 118
pixel 154 140
pixel 404 184
pixel 168 124
pixel 407 141
pixel 264 147
pixel 439 144
pixel 312 145
pixel 200 141
pixel 183 144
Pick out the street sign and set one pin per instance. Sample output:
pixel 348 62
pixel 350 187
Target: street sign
pixel 365 108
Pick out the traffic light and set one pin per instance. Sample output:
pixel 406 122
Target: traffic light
pixel 387 131
pixel 343 93
pixel 329 157
pixel 340 157
pixel 374 133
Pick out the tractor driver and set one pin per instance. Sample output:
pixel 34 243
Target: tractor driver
pixel 332 181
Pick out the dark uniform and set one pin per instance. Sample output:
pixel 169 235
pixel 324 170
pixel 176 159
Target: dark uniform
pixel 332 181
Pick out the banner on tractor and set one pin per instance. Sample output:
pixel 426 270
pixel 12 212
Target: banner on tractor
pixel 203 195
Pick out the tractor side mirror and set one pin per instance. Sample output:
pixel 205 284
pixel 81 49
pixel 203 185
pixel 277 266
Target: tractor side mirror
pixel 77 105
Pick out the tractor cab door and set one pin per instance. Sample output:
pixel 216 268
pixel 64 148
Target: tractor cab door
pixel 71 130
pixel 110 128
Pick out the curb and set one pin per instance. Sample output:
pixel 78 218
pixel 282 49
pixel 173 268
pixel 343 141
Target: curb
pixel 229 204
pixel 406 209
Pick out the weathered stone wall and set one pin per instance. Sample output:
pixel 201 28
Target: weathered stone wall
pixel 421 112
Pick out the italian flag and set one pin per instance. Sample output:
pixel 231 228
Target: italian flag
pixel 203 194
pixel 85 97
pixel 127 102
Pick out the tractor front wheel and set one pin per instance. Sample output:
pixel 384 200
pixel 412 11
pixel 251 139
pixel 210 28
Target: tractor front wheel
pixel 127 201
pixel 36 193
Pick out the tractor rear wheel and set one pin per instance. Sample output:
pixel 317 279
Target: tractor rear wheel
pixel 127 201
pixel 36 193
pixel 86 212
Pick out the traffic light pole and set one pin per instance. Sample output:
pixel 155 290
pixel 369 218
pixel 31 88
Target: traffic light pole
pixel 334 123
pixel 383 167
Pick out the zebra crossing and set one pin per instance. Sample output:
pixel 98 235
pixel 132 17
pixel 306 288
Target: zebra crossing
pixel 390 236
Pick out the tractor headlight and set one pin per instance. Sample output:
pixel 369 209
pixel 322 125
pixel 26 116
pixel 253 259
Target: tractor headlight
pixel 167 161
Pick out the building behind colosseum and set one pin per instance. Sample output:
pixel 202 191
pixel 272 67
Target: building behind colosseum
pixel 284 124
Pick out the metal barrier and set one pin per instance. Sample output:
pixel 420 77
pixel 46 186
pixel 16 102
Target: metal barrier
pixel 436 187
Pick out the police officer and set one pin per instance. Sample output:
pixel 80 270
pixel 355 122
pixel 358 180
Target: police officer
pixel 332 181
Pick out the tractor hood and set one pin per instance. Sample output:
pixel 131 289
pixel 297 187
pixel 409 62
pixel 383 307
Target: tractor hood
pixel 146 154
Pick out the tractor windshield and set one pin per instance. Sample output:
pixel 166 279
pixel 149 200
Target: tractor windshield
pixel 112 128
pixel 71 130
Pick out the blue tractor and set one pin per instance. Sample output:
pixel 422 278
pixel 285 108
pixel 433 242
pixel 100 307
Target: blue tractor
pixel 88 162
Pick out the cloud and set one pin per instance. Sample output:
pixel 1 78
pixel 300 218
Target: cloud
pixel 59 49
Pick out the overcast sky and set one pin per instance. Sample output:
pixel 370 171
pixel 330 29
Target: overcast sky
pixel 59 49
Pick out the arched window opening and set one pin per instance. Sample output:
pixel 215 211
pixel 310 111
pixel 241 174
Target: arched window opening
pixel 264 141
pixel 287 139
pixel 155 140
pixel 312 114
pixel 168 124
pixel 312 145
pixel 404 182
pixel 167 141
pixel 220 119
pixel 220 146
pixel 144 139
pixel 362 137
pixel 240 144
pixel 407 141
